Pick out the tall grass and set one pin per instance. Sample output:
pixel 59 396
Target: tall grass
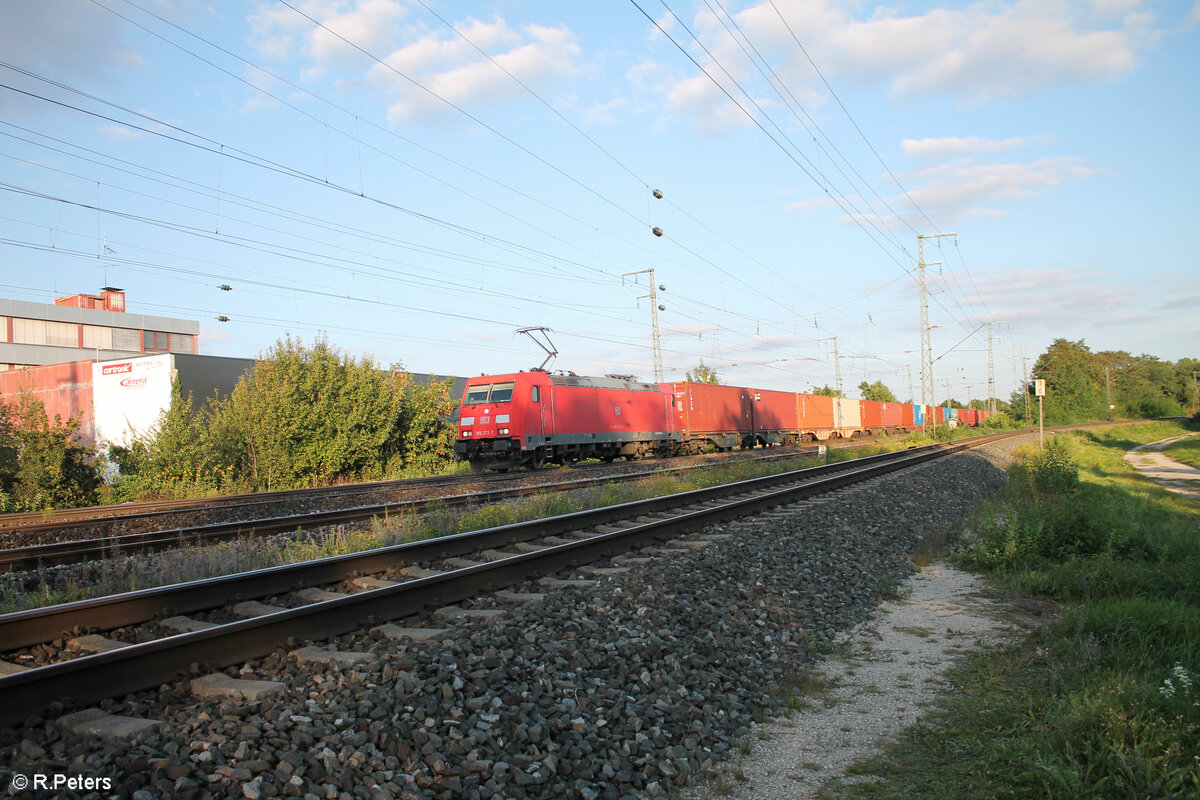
pixel 1104 702
pixel 1186 451
pixel 20 591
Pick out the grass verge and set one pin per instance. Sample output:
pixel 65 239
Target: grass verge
pixel 1104 702
pixel 21 591
pixel 1186 451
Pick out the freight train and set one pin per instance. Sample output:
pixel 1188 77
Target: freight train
pixel 534 418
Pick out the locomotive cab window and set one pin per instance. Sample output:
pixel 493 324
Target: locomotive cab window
pixel 533 395
pixel 477 394
pixel 489 393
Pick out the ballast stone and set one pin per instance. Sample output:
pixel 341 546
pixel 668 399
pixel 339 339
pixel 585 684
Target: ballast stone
pixel 186 624
pixel 95 643
pixel 253 608
pixel 220 685
pixel 110 727
pixel 321 655
pixel 393 631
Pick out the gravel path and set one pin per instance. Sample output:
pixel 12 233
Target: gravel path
pixel 1149 460
pixel 889 669
pixel 635 686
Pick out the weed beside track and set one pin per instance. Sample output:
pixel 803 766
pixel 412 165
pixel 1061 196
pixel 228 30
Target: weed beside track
pixel 1103 702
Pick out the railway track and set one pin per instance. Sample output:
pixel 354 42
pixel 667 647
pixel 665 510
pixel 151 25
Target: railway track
pixel 74 550
pixel 157 633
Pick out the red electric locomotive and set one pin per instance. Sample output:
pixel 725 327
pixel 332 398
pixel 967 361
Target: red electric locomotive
pixel 531 418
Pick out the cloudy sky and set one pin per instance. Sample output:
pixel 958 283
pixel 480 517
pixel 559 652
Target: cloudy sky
pixel 420 178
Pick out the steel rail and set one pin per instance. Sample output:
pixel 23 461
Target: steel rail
pixel 35 626
pixel 141 666
pixel 125 512
pixel 34 556
pixel 22 521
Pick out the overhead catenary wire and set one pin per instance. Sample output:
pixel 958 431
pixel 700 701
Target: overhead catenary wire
pixel 716 307
pixel 218 148
pixel 789 154
pixel 758 123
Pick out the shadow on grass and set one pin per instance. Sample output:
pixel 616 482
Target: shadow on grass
pixel 1104 702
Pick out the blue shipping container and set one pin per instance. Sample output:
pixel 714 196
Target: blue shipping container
pixel 918 415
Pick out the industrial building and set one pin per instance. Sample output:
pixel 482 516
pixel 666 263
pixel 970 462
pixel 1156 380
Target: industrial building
pixel 85 356
pixel 86 327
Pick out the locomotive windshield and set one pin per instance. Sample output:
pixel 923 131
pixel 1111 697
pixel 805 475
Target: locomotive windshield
pixel 489 393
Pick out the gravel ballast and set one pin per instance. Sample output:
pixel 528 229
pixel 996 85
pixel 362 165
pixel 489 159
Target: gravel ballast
pixel 632 687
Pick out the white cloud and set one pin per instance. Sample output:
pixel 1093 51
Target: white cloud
pixel 450 67
pixel 1056 299
pixel 412 56
pixel 605 112
pixel 1187 301
pixel 1193 17
pixel 119 133
pixel 950 186
pixel 950 146
pixel 281 34
pixel 60 39
pixel 977 53
pixel 961 189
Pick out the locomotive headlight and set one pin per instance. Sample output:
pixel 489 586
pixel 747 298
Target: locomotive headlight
pixel 466 421
pixel 501 418
pixel 466 434
pixel 502 431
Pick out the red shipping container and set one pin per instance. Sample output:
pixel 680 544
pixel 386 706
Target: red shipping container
pixel 816 414
pixel 720 414
pixel 872 415
pixel 906 416
pixel 776 415
pixel 892 414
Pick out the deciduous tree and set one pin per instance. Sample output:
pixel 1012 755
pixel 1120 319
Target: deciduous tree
pixel 876 391
pixel 702 373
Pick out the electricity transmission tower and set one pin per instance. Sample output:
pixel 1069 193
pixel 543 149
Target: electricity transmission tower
pixel 991 402
pixel 655 338
pixel 837 365
pixel 927 389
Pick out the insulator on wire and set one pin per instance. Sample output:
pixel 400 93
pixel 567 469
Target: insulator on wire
pixel 656 231
pixel 222 318
pixel 225 287
pixel 657 194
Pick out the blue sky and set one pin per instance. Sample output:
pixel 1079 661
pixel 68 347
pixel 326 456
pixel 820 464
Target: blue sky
pixel 420 178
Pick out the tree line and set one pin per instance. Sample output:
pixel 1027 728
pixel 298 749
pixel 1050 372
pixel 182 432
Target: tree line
pixel 310 415
pixel 1083 386
pixel 306 415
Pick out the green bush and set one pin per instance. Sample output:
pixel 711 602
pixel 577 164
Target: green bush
pixel 188 453
pixel 1105 701
pixel 306 415
pixel 42 464
pixel 1052 469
